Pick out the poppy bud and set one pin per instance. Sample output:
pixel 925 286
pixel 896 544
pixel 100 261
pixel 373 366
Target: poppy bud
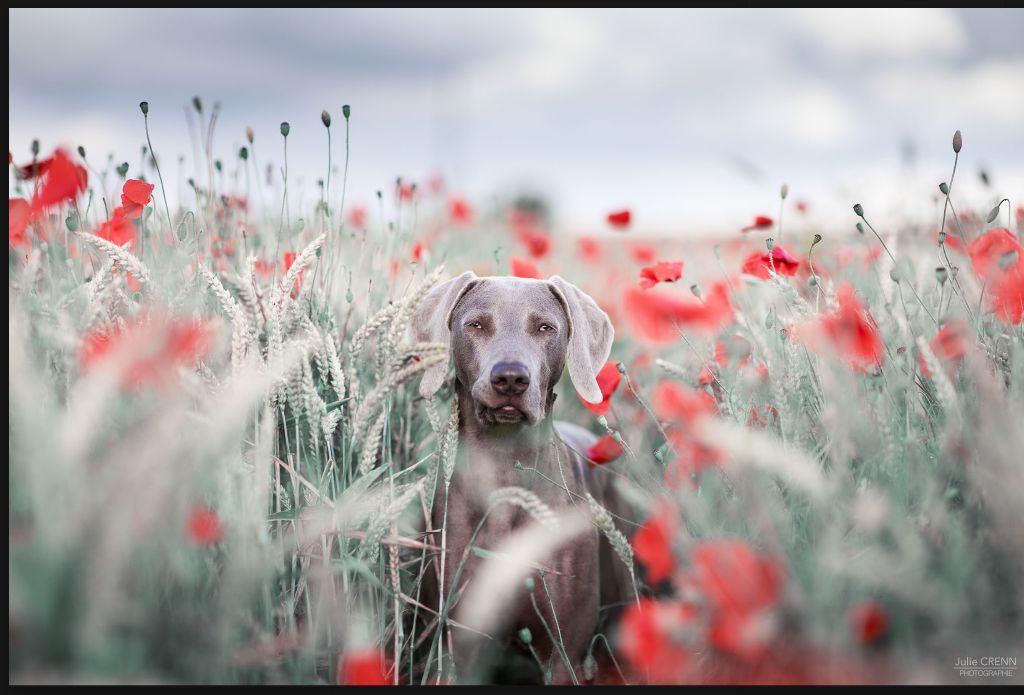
pixel 72 222
pixel 812 281
pixel 943 188
pixel 217 165
pixel 621 367
pixel 953 271
pixel 197 104
pixel 941 274
pixel 191 182
pixel 346 111
pixel 785 190
pixel 326 118
pixel 993 214
pixel 860 228
pixel 249 134
pixel 958 142
pixel 858 210
pixel 244 153
pixel 35 147
pixel 81 152
pixel 285 128
pixel 525 635
pixel 817 239
pixel 942 238
pixel 123 169
pixel 603 421
pixel 695 289
pixel 984 176
pixel 349 297
pixel 145 107
pixel 379 194
pixel 528 583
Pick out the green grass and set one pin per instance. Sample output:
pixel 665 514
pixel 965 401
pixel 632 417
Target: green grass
pixel 302 429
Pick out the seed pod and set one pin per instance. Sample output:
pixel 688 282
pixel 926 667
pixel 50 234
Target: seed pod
pixel 858 209
pixel 943 188
pixel 81 152
pixel 346 111
pixel 197 104
pixel 285 128
pixel 244 153
pixel 35 147
pixel 770 243
pixel 941 274
pixel 145 107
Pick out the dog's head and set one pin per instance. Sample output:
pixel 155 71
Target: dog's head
pixel 511 339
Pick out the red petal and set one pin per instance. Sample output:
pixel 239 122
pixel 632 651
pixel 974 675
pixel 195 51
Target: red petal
pixel 620 219
pixel 523 268
pixel 604 450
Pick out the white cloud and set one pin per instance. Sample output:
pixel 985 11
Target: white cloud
pixel 898 32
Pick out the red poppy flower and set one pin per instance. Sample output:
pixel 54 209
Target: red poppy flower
pixel 760 222
pixel 262 268
pixel 18 214
pixel 204 526
pixel 537 245
pixel 33 169
pixel 658 315
pixel 760 264
pixel 742 588
pixel 1007 299
pixel 674 402
pixel 620 219
pixel 357 217
pixel 607 380
pixel 988 251
pixel 135 195
pixel 604 450
pixel 417 251
pixel 949 345
pixel 650 639
pixel 148 352
pixel 64 181
pixel 525 268
pixel 459 211
pixel 406 191
pixel 652 543
pixel 869 621
pixel 118 229
pixel 642 253
pixel 801 207
pixel 362 667
pixel 663 271
pixel 590 249
pixel 852 332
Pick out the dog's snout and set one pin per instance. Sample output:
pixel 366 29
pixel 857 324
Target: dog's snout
pixel 510 378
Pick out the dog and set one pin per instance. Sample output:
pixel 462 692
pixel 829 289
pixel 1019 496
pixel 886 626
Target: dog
pixel 511 338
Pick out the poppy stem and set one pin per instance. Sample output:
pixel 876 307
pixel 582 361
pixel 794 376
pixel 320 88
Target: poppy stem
pixel 163 188
pixel 893 258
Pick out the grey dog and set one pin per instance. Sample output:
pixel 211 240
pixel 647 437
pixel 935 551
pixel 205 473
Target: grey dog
pixel 511 339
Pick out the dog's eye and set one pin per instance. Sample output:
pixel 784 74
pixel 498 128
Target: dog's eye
pixel 544 327
pixel 474 324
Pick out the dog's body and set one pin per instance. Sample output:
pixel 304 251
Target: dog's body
pixel 511 339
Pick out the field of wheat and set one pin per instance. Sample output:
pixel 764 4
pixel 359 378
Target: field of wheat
pixel 220 465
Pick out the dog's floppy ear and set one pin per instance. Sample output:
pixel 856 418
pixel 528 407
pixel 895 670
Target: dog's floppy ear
pixel 430 324
pixel 590 337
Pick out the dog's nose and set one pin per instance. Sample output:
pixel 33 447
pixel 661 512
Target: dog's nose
pixel 510 378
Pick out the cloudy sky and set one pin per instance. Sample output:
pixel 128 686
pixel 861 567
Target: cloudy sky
pixel 692 118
